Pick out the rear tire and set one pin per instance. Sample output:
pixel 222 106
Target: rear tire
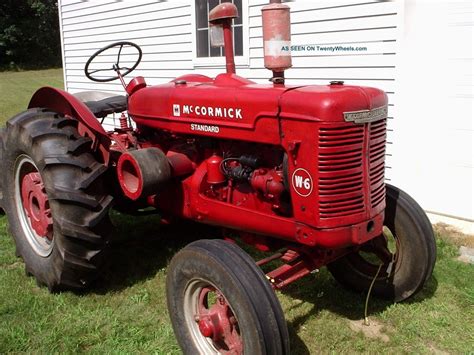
pixel 55 199
pixel 208 267
pixel 412 261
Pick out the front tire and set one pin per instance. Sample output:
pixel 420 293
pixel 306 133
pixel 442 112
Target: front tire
pixel 407 252
pixel 219 301
pixel 55 199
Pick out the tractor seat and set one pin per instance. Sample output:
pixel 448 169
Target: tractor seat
pixel 102 103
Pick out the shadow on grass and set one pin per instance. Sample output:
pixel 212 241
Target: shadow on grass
pixel 324 293
pixel 143 247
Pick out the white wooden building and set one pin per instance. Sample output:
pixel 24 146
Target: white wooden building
pixel 420 52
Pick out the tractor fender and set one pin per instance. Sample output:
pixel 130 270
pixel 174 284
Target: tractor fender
pixel 63 102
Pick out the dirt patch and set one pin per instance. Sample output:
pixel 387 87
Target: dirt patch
pixel 466 255
pixel 453 234
pixel 15 265
pixel 434 350
pixel 373 331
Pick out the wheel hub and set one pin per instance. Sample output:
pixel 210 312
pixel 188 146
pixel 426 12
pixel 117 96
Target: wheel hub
pixel 218 323
pixel 36 205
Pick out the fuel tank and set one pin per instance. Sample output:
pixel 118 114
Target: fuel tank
pixel 231 107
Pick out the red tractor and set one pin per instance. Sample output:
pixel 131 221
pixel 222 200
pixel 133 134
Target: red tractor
pixel 293 170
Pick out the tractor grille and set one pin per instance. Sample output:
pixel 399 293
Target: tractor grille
pixel 343 170
pixel 378 136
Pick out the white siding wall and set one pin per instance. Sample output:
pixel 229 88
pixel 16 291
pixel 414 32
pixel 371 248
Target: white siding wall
pixel 357 23
pixel 162 29
pixel 434 157
pixel 165 31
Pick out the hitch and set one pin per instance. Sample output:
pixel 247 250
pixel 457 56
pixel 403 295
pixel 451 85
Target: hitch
pixel 297 263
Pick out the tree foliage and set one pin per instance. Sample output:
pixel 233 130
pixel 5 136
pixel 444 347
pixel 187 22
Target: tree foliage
pixel 29 34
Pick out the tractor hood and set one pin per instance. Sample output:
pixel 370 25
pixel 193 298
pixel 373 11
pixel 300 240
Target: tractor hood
pixel 230 106
pixel 330 102
pixel 230 99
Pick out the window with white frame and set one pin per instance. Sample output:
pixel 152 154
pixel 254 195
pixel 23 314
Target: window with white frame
pixel 203 42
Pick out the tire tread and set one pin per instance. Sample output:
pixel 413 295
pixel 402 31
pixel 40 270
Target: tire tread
pixel 80 209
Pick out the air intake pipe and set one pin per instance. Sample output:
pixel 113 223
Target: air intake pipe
pixel 143 172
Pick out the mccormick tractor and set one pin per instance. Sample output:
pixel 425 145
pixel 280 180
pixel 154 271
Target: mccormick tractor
pixel 293 170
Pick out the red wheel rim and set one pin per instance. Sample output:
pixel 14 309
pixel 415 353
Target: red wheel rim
pixel 218 322
pixel 214 324
pixel 36 205
pixel 32 204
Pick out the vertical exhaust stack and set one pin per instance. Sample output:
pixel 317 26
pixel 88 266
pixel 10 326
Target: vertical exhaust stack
pixel 276 24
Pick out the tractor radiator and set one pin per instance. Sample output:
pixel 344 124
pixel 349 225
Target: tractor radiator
pixel 351 162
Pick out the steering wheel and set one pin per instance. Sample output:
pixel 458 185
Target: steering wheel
pixel 116 66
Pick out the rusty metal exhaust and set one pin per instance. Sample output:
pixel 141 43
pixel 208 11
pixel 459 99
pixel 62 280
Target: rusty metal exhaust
pixel 276 23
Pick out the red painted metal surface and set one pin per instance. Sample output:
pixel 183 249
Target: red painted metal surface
pixel 214 173
pixel 36 205
pixel 123 122
pixel 224 11
pixel 307 122
pixel 130 176
pixel 229 48
pixel 180 163
pixel 247 111
pixel 188 200
pixel 269 183
pixel 217 322
pixel 223 15
pixel 276 27
pixel 344 193
pixel 135 84
pixel 298 263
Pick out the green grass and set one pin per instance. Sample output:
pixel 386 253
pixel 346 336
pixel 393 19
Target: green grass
pixel 126 311
pixel 16 89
